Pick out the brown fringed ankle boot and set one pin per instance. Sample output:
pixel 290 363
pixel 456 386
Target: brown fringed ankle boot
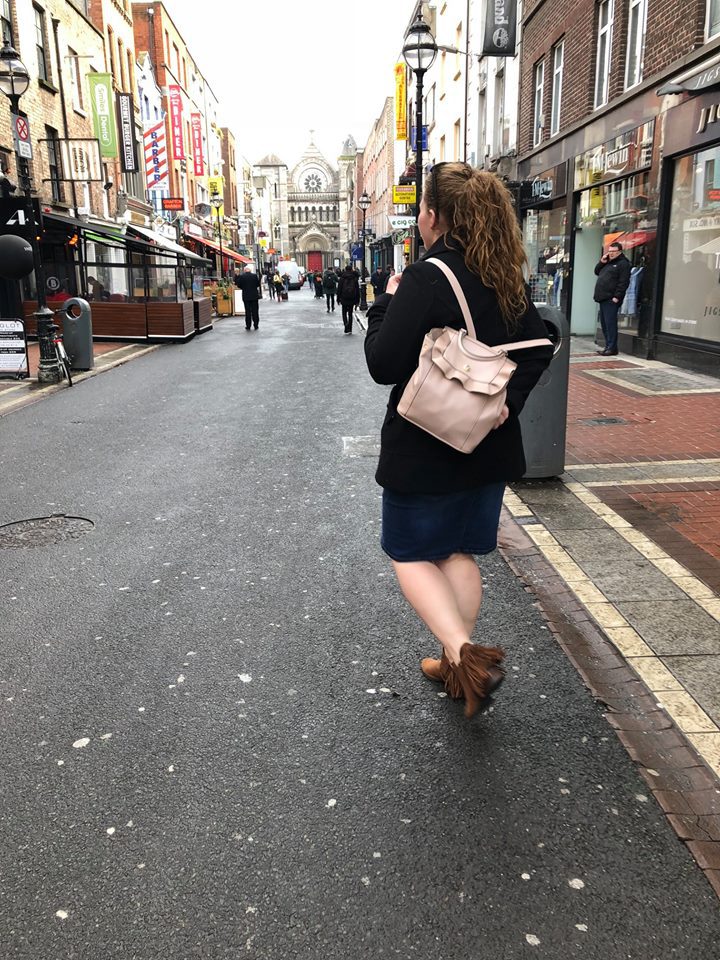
pixel 440 671
pixel 478 674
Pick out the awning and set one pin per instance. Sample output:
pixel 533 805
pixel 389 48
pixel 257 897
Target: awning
pixel 226 252
pixel 167 244
pixel 636 239
pixel 99 231
pixel 712 246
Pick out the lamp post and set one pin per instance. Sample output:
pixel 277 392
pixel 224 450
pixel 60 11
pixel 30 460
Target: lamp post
pixel 278 245
pixel 419 51
pixel 363 203
pixel 14 81
pixel 217 201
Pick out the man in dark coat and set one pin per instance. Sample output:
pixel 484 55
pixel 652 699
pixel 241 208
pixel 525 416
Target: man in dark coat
pixel 613 277
pixel 249 283
pixel 378 281
pixel 348 295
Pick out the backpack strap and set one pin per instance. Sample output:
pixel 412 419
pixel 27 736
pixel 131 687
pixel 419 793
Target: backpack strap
pixel 458 291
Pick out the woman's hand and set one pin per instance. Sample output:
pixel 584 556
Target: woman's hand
pixel 392 283
pixel 504 414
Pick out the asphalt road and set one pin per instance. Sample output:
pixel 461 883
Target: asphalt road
pixel 216 739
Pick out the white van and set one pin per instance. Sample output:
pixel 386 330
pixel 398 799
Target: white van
pixel 291 268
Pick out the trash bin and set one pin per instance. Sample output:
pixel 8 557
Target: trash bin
pixel 543 420
pixel 77 333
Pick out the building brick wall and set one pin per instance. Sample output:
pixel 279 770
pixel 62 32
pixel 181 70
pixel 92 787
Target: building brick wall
pixel 672 32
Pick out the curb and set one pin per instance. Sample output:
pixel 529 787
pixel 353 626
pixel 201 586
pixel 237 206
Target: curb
pixel 681 782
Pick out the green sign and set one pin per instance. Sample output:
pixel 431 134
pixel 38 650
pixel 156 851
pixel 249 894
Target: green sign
pixel 101 96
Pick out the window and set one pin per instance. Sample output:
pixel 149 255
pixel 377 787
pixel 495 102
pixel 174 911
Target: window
pixel 538 118
pixel 636 42
pixel 111 51
pixel 558 59
pixel 713 18
pixel 456 141
pixel 499 130
pixel 53 153
pixel 6 21
pixel 75 79
pixel 604 42
pixel 121 65
pixel 43 60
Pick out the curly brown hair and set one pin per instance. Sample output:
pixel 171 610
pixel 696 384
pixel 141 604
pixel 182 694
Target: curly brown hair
pixel 479 212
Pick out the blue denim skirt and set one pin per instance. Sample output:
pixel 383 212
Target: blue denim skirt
pixel 432 526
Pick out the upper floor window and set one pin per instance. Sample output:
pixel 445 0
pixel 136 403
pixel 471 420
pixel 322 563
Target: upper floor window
pixel 43 58
pixel 558 60
pixel 636 42
pixel 51 142
pixel 6 22
pixel 538 119
pixel 604 44
pixel 713 18
pixel 75 79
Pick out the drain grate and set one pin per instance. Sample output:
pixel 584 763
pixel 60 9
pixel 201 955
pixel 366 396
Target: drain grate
pixel 602 421
pixel 43 531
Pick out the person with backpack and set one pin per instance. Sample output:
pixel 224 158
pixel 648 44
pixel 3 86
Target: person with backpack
pixel 348 294
pixel 318 284
pixel 279 286
pixel 329 287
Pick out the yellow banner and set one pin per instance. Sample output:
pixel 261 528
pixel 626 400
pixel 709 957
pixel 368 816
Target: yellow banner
pixel 215 185
pixel 400 103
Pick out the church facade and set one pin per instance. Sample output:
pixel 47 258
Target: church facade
pixel 316 206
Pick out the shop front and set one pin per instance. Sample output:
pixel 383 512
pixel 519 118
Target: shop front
pixel 543 212
pixel 689 282
pixel 616 200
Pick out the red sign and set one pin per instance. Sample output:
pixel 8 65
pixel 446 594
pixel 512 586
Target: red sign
pixel 196 127
pixel 173 203
pixel 176 130
pixel 22 128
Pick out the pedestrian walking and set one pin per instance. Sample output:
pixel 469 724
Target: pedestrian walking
pixel 270 285
pixel 317 283
pixel 279 286
pixel 613 278
pixel 329 288
pixel 377 279
pixel 348 295
pixel 249 283
pixel 441 506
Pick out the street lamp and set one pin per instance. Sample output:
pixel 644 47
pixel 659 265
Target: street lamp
pixel 419 51
pixel 217 201
pixel 278 245
pixel 14 81
pixel 364 202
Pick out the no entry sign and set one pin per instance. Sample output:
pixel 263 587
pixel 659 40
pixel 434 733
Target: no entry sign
pixel 22 137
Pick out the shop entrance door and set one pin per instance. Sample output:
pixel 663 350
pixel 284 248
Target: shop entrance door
pixel 314 261
pixel 588 250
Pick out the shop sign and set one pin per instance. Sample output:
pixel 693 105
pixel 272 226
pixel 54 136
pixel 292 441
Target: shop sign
pixel 701 223
pixel 626 154
pixel 500 21
pixel 404 194
pixel 156 161
pixel 215 186
pixel 80 160
pixel 176 130
pixel 13 355
pixel 173 203
pixel 547 186
pixel 400 236
pixel 102 112
pixel 198 161
pixel 400 102
pixel 401 223
pixel 126 123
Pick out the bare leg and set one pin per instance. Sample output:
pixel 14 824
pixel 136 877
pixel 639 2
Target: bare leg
pixel 466 580
pixel 431 594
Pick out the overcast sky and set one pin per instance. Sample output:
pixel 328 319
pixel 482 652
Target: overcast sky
pixel 280 68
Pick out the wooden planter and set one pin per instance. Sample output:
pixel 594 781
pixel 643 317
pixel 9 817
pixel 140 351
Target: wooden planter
pixel 170 321
pixel 224 305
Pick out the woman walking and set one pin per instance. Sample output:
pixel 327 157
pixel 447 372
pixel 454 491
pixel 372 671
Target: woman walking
pixel 329 288
pixel 440 506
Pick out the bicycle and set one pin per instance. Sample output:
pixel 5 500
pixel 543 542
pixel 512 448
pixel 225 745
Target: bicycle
pixel 61 354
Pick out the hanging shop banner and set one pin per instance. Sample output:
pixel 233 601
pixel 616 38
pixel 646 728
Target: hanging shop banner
pixel 400 102
pixel 80 160
pixel 101 97
pixel 126 126
pixel 196 127
pixel 500 23
pixel 176 130
pixel 216 186
pixel 156 159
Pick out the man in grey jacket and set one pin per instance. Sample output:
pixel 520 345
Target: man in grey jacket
pixel 613 277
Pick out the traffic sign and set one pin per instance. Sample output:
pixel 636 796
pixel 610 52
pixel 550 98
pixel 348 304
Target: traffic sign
pixel 401 223
pixel 21 130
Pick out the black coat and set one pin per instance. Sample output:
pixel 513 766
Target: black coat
pixel 249 283
pixel 613 279
pixel 348 291
pixel 412 461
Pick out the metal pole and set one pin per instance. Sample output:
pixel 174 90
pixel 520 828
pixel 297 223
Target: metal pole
pixel 418 158
pixel 363 284
pixel 222 274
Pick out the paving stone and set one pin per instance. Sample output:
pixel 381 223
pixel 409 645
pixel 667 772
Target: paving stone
pixel 688 828
pixel 704 802
pixel 631 580
pixel 564 517
pixel 707 853
pixel 674 627
pixel 603 544
pixel 701 677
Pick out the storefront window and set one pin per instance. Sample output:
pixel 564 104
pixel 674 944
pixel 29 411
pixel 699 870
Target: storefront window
pixel 691 302
pixel 544 239
pixel 162 281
